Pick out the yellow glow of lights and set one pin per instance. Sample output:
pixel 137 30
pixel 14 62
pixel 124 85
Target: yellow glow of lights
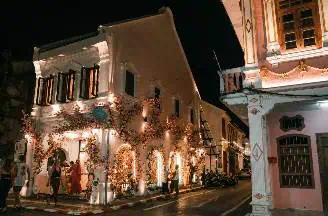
pixel 80 105
pixel 55 108
pixel 95 131
pixel 71 135
pixel 144 112
pixel 160 168
pixel 111 98
pixel 143 126
pixel 86 134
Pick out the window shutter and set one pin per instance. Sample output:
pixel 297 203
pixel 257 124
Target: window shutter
pixel 94 73
pixel 50 87
pixel 62 88
pixel 70 85
pixel 84 87
pixel 38 92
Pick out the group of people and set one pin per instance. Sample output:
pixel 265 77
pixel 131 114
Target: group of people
pixel 13 174
pixel 173 178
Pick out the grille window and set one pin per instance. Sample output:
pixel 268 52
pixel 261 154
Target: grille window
pixel 295 161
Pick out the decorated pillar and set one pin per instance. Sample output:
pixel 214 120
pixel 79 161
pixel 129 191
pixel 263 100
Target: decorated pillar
pixel 273 46
pixel 250 49
pixel 249 34
pixel 261 186
pixel 323 8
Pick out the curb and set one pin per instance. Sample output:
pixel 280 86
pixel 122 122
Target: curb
pixel 108 209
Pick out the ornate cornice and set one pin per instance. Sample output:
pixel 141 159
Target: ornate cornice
pixel 302 73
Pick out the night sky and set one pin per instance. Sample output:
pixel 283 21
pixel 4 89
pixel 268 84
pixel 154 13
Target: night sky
pixel 202 25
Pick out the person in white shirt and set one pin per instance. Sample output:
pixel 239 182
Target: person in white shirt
pixel 21 172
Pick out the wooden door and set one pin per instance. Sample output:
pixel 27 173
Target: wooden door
pixel 322 142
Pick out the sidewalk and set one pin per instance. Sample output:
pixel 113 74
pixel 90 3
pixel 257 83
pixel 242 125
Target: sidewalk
pixel 78 207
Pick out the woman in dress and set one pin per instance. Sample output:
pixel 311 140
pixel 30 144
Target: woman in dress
pixel 76 178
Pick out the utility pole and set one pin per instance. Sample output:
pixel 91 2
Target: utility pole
pixel 219 72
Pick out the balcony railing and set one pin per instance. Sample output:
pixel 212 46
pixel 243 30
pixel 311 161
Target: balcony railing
pixel 233 81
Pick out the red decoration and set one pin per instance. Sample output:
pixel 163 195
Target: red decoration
pixel 272 160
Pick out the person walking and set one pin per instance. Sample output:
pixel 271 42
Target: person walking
pixel 22 172
pixel 165 186
pixel 7 174
pixel 176 180
pixel 55 180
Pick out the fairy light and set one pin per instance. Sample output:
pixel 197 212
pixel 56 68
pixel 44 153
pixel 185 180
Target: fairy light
pixel 179 163
pixel 71 134
pixel 55 108
pixel 160 168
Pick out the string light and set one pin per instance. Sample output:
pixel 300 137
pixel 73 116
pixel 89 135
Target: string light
pixel 116 117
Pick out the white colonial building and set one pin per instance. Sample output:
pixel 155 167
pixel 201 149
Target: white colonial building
pixel 125 99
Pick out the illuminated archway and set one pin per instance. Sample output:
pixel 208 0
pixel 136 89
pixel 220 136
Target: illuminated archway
pixel 155 168
pixel 124 168
pixel 176 159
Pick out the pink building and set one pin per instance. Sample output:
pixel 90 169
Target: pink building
pixel 281 92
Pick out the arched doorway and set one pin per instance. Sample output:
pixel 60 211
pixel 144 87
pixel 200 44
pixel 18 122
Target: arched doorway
pixel 124 169
pixel 176 159
pixel 155 169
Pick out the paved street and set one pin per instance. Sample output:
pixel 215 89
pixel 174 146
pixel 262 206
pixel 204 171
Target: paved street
pixel 204 202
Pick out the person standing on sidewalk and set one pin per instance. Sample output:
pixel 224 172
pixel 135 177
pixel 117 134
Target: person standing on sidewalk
pixel 55 180
pixel 165 183
pixel 21 171
pixel 176 180
pixel 7 174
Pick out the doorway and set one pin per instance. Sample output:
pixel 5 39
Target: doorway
pixel 322 143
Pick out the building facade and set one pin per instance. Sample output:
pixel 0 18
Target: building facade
pixel 123 102
pixel 230 144
pixel 281 92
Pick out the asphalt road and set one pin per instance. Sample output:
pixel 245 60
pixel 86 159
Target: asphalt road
pixel 233 201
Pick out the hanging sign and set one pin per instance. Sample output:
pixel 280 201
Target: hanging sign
pixel 292 123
